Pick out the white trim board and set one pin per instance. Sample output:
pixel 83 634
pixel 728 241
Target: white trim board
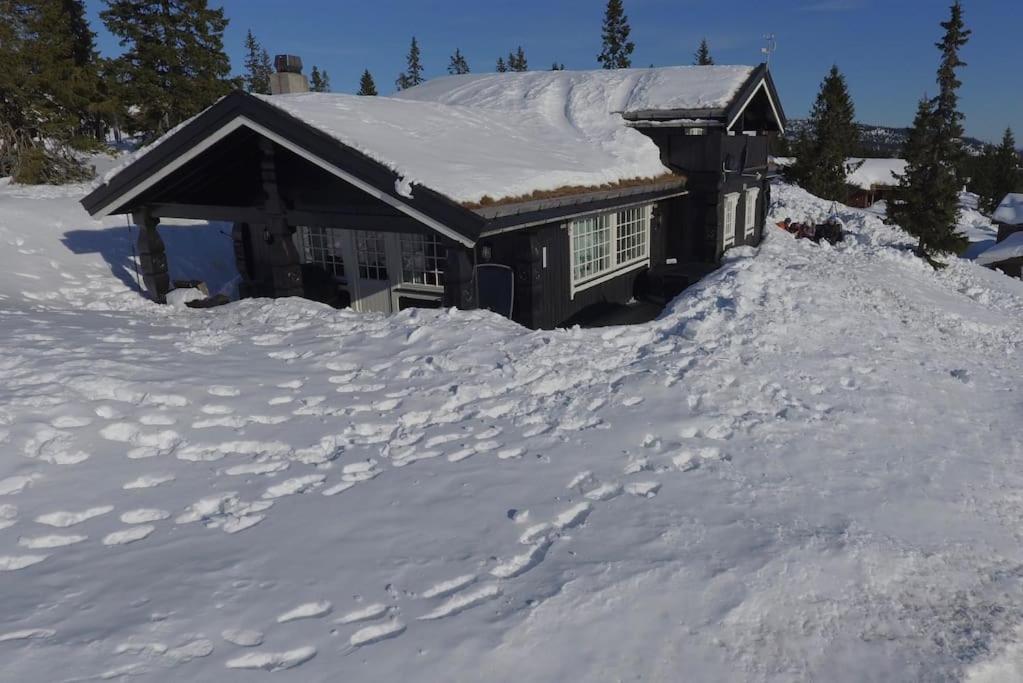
pixel 774 108
pixel 240 121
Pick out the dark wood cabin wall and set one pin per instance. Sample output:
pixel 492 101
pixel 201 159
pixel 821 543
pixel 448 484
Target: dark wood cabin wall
pixel 543 295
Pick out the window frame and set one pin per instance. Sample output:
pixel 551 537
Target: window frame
pixel 439 258
pixel 616 264
pixel 752 196
pixel 327 246
pixel 729 205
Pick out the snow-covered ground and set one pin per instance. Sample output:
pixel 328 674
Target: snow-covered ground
pixel 809 468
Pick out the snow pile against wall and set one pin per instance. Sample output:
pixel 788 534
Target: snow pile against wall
pixel 808 468
pixel 868 173
pixel 1010 211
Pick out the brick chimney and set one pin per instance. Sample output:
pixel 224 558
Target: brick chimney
pixel 288 77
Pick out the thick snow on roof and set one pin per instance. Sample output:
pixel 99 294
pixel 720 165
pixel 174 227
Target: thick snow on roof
pixel 873 172
pixel 507 135
pixel 1010 211
pixel 595 92
pixel 1009 248
pixel 468 153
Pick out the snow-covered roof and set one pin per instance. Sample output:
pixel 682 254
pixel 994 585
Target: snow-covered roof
pixel 874 172
pixel 508 135
pixel 468 153
pixel 1009 248
pixel 593 93
pixel 1010 211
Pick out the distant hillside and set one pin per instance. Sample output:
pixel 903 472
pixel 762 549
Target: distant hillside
pixel 880 141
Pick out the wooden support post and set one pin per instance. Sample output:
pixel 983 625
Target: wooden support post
pixel 459 283
pixel 285 265
pixel 152 256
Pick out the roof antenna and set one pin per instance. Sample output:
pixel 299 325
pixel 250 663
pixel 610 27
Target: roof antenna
pixel 770 48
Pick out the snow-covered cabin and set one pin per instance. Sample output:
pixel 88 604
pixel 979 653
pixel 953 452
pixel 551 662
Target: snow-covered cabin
pixel 872 180
pixel 537 194
pixel 1009 215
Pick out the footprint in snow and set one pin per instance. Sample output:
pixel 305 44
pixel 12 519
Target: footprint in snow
pixel 130 535
pixel 376 633
pixel 63 519
pixel 273 661
pixel 309 610
pixel 368 613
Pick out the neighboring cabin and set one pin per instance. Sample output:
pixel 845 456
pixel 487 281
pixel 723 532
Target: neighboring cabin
pixel 868 181
pixel 536 194
pixel 872 180
pixel 1007 253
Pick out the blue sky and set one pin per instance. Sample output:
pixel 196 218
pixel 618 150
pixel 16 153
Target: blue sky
pixel 885 47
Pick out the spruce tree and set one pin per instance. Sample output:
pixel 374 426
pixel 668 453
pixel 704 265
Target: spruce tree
pixel 501 66
pixel 1005 169
pixel 50 97
pixel 319 81
pixel 458 63
pixel 702 55
pixel 517 60
pixel 174 64
pixel 831 138
pixel 616 49
pixel 367 87
pixel 926 203
pixel 413 74
pixel 257 66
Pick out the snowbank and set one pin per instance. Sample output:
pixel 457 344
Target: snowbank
pixel 808 468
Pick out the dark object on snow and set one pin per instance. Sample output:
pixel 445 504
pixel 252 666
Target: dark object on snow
pixel 209 302
pixel 192 284
pixel 831 232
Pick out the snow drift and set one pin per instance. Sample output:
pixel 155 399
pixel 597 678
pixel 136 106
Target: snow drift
pixel 807 468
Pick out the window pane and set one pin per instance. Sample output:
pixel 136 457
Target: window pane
pixel 633 232
pixel 423 260
pixel 370 253
pixel 591 246
pixel 322 246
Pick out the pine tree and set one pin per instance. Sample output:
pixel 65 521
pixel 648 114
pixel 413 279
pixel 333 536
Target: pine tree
pixel 616 48
pixel 702 55
pixel 557 67
pixel 367 86
pixel 830 139
pixel 257 66
pixel 174 65
pixel 501 66
pixel 517 60
pixel 458 64
pixel 413 74
pixel 926 203
pixel 319 81
pixel 1005 169
pixel 51 101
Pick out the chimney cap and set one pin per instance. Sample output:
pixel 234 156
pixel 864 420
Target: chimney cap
pixel 291 64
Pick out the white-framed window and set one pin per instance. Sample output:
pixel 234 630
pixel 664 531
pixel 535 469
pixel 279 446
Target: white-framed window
pixel 322 246
pixel 728 219
pixel 603 245
pixel 423 259
pixel 752 193
pixel 371 255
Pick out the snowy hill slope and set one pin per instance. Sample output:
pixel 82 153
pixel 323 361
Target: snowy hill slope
pixel 808 467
